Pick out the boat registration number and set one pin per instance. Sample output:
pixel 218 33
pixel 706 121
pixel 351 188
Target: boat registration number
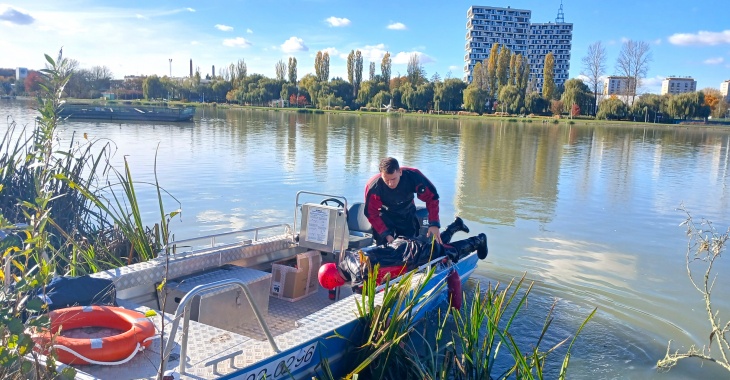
pixel 282 368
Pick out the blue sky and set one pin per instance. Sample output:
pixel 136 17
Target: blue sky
pixel 139 37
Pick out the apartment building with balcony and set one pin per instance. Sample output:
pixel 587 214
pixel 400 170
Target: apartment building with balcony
pixel 512 28
pixel 725 89
pixel 617 85
pixel 678 85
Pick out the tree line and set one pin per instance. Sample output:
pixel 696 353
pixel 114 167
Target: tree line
pixel 502 83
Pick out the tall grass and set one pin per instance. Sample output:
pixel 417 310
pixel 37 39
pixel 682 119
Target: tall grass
pixel 60 214
pixel 472 343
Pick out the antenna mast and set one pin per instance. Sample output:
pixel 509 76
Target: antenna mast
pixel 560 19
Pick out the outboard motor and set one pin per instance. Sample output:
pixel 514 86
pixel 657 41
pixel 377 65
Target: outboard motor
pixel 422 215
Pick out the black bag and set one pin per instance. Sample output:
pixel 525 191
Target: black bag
pixel 64 292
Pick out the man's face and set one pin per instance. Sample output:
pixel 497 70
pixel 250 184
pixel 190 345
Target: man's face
pixel 391 180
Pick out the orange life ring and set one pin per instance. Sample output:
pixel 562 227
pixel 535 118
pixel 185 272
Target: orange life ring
pixel 136 331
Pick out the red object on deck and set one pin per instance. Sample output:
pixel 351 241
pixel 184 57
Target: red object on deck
pixel 394 272
pixel 453 282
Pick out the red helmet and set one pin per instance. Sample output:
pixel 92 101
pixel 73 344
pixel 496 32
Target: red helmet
pixel 329 276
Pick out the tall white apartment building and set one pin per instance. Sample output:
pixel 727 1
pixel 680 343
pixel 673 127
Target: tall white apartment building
pixel 615 85
pixel 512 28
pixel 678 85
pixel 725 89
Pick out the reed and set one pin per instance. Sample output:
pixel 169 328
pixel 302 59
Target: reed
pixel 56 219
pixel 705 245
pixel 472 343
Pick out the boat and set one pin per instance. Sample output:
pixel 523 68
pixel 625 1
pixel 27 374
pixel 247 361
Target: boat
pixel 126 112
pixel 225 310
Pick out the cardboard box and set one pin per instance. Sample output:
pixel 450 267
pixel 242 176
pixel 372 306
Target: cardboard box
pixel 294 279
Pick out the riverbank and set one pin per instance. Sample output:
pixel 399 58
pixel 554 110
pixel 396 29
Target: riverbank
pixel 548 120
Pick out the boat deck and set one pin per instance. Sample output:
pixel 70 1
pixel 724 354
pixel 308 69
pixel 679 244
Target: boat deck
pixel 213 352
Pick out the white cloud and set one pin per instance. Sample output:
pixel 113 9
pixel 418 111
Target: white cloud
pixel 249 31
pixel 403 57
pixel 331 51
pixel 701 38
pixel 224 28
pixel 139 16
pixel 658 41
pixel 15 16
pixel 237 42
pixel 397 26
pixel 190 9
pixel 714 61
pixel 293 45
pixel 194 43
pixel 373 53
pixel 337 21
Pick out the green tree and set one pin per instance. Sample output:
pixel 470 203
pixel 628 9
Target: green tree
pixel 358 71
pixel 612 109
pixel 372 71
pixel 646 107
pixel 492 71
pixel 509 99
pixel 452 94
pixel 280 70
pixel 385 67
pixel 414 71
pixel 548 81
pixel 342 89
pixel 479 77
pixel 576 92
pixel 239 73
pixel 503 67
pixel 351 68
pixel 292 70
pixel 380 99
pixel 535 103
pixel 475 98
pixel 513 69
pixel 152 88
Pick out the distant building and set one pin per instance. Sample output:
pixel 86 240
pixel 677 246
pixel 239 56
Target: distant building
pixel 512 28
pixel 678 85
pixel 20 73
pixel 615 85
pixel 725 89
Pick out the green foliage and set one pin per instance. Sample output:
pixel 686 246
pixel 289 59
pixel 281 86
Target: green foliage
pixel 509 99
pixel 612 109
pixel 548 81
pixel 576 93
pixel 475 98
pixel 687 105
pixel 535 103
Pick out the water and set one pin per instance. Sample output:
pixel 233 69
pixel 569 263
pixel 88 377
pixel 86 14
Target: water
pixel 587 212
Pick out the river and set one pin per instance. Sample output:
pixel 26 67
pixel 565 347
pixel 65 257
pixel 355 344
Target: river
pixel 588 212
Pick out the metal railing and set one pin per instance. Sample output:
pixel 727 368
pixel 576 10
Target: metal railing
pixel 174 244
pixel 183 309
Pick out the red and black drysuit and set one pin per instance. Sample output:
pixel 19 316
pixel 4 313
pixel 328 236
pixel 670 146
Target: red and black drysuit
pixel 393 211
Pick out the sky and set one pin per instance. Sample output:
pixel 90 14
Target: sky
pixel 141 37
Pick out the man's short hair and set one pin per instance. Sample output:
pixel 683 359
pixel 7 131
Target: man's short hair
pixel 388 165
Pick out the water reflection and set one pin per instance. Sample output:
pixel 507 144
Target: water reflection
pixel 587 211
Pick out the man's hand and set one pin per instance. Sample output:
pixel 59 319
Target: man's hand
pixel 389 239
pixel 433 230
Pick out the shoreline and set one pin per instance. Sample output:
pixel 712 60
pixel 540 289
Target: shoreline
pixel 512 119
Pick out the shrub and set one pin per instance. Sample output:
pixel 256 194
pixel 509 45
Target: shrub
pixel 364 109
pixel 347 108
pixel 337 108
